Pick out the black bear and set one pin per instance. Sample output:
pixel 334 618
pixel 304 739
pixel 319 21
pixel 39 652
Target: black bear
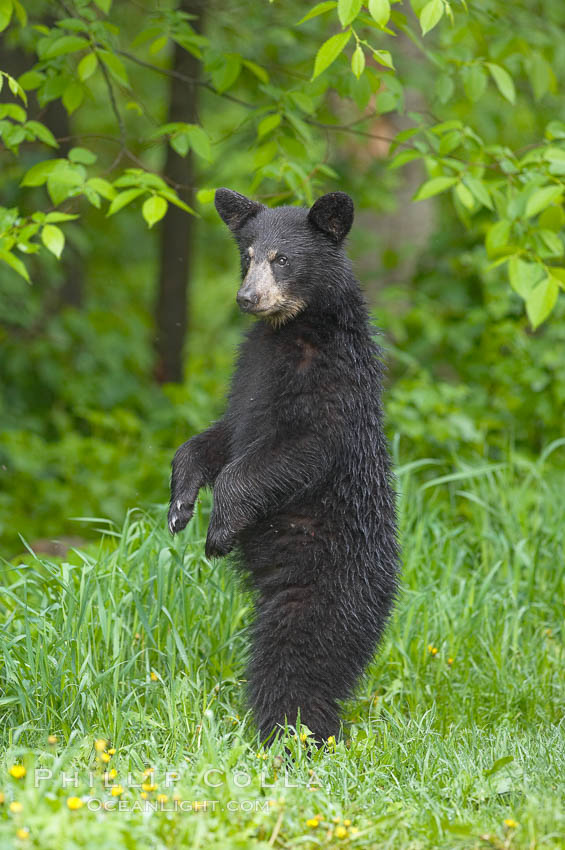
pixel 299 464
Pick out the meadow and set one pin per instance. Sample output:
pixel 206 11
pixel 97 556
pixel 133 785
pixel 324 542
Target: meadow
pixel 123 719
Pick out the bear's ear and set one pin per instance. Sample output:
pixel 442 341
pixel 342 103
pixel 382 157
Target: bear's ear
pixel 235 209
pixel 333 215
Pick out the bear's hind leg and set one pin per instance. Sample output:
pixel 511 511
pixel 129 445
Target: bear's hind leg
pixel 302 662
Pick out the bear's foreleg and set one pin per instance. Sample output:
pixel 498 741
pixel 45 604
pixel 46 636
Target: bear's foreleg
pixel 196 464
pixel 260 481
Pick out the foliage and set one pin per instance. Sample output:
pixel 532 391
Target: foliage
pixel 84 429
pixel 515 193
pixel 455 734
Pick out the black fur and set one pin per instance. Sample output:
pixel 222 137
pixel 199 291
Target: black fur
pixel 301 473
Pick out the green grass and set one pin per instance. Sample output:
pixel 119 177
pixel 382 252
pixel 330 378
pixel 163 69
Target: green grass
pixel 457 728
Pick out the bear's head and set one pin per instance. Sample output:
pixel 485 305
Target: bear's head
pixel 287 253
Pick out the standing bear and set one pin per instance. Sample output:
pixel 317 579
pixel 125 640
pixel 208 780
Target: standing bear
pixel 299 464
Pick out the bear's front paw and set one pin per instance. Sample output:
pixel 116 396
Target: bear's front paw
pixel 218 541
pixel 180 513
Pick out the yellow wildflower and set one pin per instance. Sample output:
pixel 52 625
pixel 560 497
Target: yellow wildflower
pixel 2 797
pixel 162 798
pixel 117 790
pixel 336 820
pixel 18 771
pixel 105 757
pixel 432 649
pixel 154 676
pixel 312 823
pixel 112 751
pixel 450 661
pixel 353 830
pixel 340 832
pixel 511 823
pixel 100 745
pixel 143 795
pixel 347 822
pixel 22 833
pixel 16 807
pixel 112 773
pixel 149 786
pixel 52 739
pixel 74 803
pixel 148 771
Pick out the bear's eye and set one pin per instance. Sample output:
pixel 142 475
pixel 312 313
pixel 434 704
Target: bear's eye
pixel 281 260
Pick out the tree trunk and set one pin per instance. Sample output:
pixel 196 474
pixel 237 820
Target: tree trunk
pixel 174 271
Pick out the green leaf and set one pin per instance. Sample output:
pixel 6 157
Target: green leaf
pixel 347 11
pixel 499 764
pixel 59 216
pixel 265 154
pixel 497 237
pixel 205 196
pixel 558 275
pixel 225 76
pixel 158 44
pixel 180 143
pixel 383 57
pixel 103 187
pixel 542 76
pixel 503 80
pixel 542 198
pixel 199 141
pixel 54 239
pixel 73 97
pixel 21 13
pixel 465 196
pixel 43 133
pixel 303 101
pixel 555 130
pixel 379 10
pixel 14 263
pixel 154 209
pixel 64 181
pixel 256 69
pixel 329 51
pixel 82 155
pixel 38 173
pixel 523 276
pixel 358 61
pixel 5 18
pixel 87 66
pixel 104 5
pixel 268 124
pixel 431 15
pixel 541 301
pixel 474 82
pixel 65 44
pixel 403 158
pixel 444 87
pixel 12 110
pixel 124 198
pixel 318 9
pixel 31 80
pixel 434 187
pixel 552 242
pixel 479 190
pixel 115 66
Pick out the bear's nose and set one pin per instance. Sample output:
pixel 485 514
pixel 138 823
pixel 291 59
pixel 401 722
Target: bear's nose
pixel 246 301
